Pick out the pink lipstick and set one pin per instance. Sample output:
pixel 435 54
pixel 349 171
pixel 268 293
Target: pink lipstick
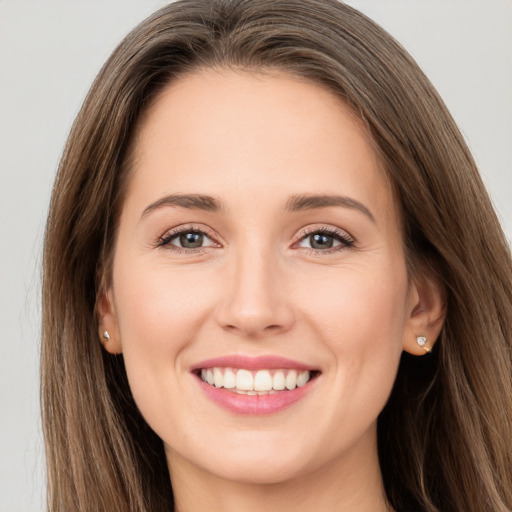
pixel 254 385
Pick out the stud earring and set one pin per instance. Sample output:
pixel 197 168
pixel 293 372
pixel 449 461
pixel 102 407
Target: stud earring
pixel 422 342
pixel 106 336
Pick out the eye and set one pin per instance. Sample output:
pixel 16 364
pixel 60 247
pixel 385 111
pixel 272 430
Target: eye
pixel 187 238
pixel 325 240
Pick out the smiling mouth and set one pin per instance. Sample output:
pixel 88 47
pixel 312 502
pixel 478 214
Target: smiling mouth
pixel 260 382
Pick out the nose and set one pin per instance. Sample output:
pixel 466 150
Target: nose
pixel 255 300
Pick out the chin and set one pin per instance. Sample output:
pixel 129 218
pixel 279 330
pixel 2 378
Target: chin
pixel 252 459
pixel 262 471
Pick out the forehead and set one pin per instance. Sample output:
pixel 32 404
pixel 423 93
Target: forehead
pixel 250 132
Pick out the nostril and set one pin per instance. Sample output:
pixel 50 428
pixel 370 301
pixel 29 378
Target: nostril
pixel 252 329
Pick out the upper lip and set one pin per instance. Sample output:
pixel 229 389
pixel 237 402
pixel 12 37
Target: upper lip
pixel 266 362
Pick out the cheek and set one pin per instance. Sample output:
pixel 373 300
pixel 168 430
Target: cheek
pixel 359 316
pixel 159 312
pixel 358 308
pixel 157 306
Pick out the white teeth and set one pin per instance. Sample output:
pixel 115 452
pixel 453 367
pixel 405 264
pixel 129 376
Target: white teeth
pixel 229 379
pixel 260 393
pixel 244 380
pixel 217 378
pixel 302 379
pixel 291 380
pixel 261 382
pixel 278 381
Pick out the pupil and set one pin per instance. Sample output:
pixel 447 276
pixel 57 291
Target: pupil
pixel 319 241
pixel 191 240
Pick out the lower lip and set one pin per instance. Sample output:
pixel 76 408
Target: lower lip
pixel 255 404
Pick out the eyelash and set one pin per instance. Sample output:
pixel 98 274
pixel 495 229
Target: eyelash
pixel 346 241
pixel 165 240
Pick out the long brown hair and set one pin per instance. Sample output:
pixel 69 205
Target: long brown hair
pixel 445 436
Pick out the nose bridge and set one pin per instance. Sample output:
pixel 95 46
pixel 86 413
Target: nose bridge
pixel 254 303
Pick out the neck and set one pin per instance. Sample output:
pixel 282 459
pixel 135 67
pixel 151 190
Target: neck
pixel 352 483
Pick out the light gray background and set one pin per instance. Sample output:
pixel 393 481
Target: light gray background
pixel 50 52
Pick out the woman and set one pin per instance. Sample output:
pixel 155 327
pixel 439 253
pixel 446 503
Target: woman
pixel 268 218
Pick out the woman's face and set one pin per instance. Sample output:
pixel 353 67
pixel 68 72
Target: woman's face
pixel 258 247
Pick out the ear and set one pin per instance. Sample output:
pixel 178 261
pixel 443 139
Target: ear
pixel 426 312
pixel 107 321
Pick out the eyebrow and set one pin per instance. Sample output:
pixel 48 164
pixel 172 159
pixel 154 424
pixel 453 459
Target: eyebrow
pixel 310 202
pixel 294 204
pixel 188 201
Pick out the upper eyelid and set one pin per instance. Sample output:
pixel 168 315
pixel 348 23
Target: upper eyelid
pixel 172 233
pixel 331 230
pixel 192 227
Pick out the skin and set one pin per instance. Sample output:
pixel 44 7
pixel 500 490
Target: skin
pixel 252 141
